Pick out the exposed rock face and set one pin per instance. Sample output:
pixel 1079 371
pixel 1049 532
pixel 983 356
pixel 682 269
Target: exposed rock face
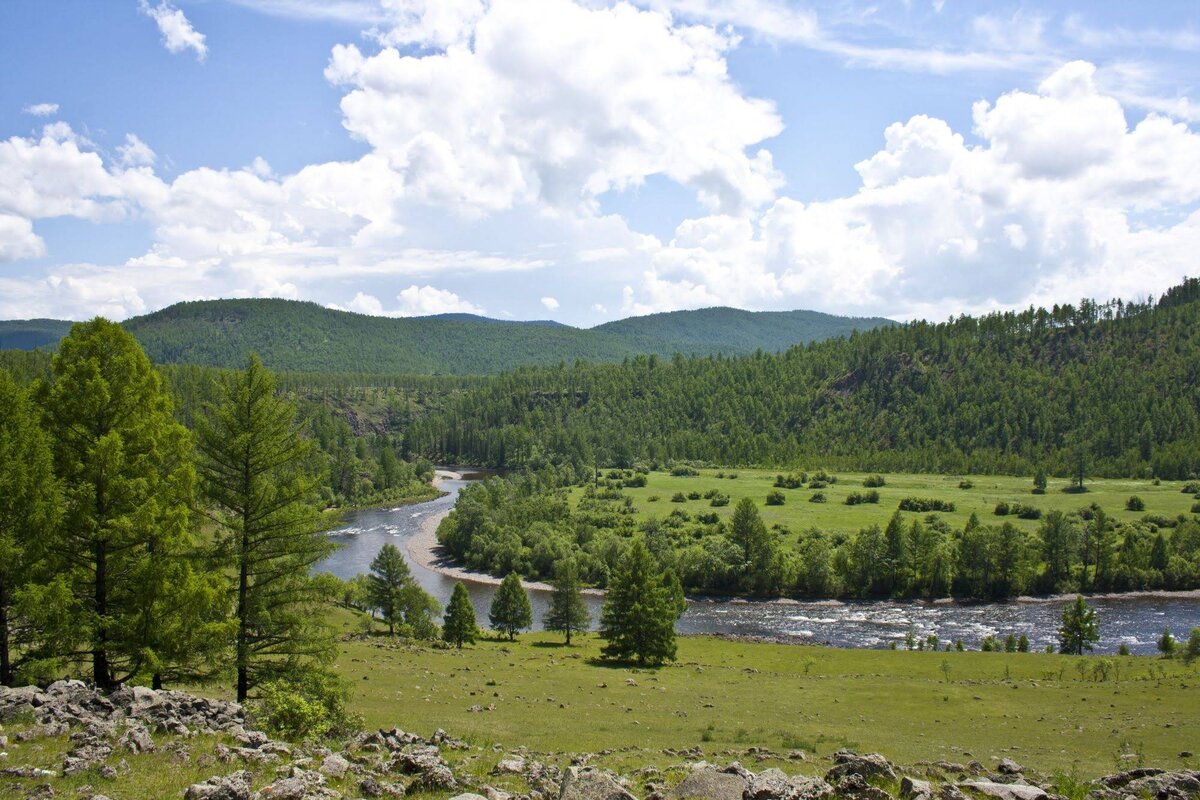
pixel 913 789
pixel 708 783
pixel 588 783
pixel 226 787
pixel 774 784
pixel 1147 782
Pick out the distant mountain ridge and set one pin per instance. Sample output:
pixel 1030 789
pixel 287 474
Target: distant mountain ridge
pixel 302 336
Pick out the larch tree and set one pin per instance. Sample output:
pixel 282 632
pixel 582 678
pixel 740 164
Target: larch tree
pixel 1080 630
pixel 459 626
pixel 568 612
pixel 510 611
pixel 126 540
pixel 259 484
pixel 29 509
pixel 386 585
pixel 640 609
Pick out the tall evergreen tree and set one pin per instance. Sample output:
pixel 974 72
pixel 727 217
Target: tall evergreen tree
pixel 459 626
pixel 1080 630
pixel 568 612
pixel 510 611
pixel 128 482
pixel 259 484
pixel 387 584
pixel 29 510
pixel 639 612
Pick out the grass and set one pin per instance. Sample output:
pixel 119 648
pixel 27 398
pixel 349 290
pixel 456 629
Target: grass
pixel 798 514
pixel 728 696
pixel 725 697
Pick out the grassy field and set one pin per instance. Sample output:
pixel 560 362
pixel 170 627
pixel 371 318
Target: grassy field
pixel 726 697
pixel 797 513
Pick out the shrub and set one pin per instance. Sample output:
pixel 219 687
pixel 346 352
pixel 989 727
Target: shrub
pixel 1123 650
pixel 1191 488
pixel 732 476
pixel 306 703
pixel 1166 643
pixel 775 498
pixel 818 497
pixel 1191 651
pixel 652 498
pixel 711 493
pixel 636 481
pixel 818 484
pixel 874 481
pixel 790 481
pixel 719 500
pixel 720 475
pixel 1018 510
pixel 1003 509
pixel 1196 507
pixel 858 498
pixel 1135 503
pixel 1023 644
pixel 966 484
pixel 710 518
pixel 683 471
pixel 825 477
pixel 679 497
pixel 925 504
pixel 693 496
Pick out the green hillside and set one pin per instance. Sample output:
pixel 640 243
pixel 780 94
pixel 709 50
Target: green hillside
pixel 30 334
pixel 299 336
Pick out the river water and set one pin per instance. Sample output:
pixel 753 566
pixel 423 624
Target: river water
pixel 1133 620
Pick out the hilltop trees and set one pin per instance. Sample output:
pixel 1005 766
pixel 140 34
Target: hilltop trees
pixel 257 479
pixel 638 617
pixel 568 612
pixel 459 626
pixel 510 611
pixel 128 487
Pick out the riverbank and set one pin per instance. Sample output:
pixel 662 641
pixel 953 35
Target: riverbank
pixel 333 518
pixel 423 549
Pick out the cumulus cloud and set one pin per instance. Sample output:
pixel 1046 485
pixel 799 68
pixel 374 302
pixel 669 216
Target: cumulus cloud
pixel 549 303
pixel 1061 199
pixel 556 103
pixel 42 109
pixel 177 31
pixel 135 152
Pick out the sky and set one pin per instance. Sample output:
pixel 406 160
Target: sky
pixel 588 160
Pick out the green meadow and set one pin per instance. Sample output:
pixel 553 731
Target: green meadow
pixel 798 513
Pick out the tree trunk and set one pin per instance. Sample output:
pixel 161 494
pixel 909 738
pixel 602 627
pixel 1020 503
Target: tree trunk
pixel 6 677
pixel 243 646
pixel 100 668
pixel 156 681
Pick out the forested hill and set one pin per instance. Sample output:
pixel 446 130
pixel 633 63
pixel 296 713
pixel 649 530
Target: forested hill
pixel 297 336
pixel 30 334
pixel 1108 389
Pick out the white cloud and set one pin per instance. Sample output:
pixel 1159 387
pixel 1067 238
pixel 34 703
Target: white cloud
pixel 42 109
pixel 551 102
pixel 550 303
pixel 17 239
pixel 425 300
pixel 1062 200
pixel 136 153
pixel 177 32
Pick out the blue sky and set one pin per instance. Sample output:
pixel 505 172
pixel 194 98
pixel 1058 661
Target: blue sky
pixel 585 160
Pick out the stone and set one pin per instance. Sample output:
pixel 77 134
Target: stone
pixel 914 789
pixel 589 783
pixel 370 787
pixel 1004 791
pixel 335 765
pixel 773 784
pixel 709 784
pixel 509 766
pixel 235 786
pixel 1147 782
pixel 286 789
pixel 468 796
pixel 1009 767
pixel 855 787
pixel 848 763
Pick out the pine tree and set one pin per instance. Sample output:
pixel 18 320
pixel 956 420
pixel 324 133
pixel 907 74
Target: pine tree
pixel 257 479
pixel 387 584
pixel 1080 629
pixel 29 510
pixel 128 482
pixel 639 612
pixel 568 611
pixel 459 626
pixel 510 611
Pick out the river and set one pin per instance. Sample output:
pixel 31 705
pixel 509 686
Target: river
pixel 1135 620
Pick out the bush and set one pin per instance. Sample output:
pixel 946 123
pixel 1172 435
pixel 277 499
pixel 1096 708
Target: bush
pixel 732 476
pixel 306 703
pixel 775 498
pixel 925 504
pixel 1166 644
pixel 1191 650
pixel 1124 650
pixel 790 481
pixel 858 498
pixel 1135 503
pixel 1196 507
pixel 683 472
pixel 711 518
pixel 966 484
pixel 679 497
pixel 825 477
pixel 719 500
pixel 693 496
pixel 1003 509
pixel 1191 488
pixel 818 485
pixel 652 498
pixel 1018 510
pixel 818 497
pixel 637 481
pixel 1023 644
pixel 874 481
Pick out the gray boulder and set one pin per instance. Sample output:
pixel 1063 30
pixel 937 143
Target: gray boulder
pixel 848 763
pixel 1004 791
pixel 913 789
pixel 855 787
pixel 1148 782
pixel 589 783
pixel 221 787
pixel 709 784
pixel 774 784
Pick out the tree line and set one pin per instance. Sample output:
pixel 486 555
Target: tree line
pixel 526 523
